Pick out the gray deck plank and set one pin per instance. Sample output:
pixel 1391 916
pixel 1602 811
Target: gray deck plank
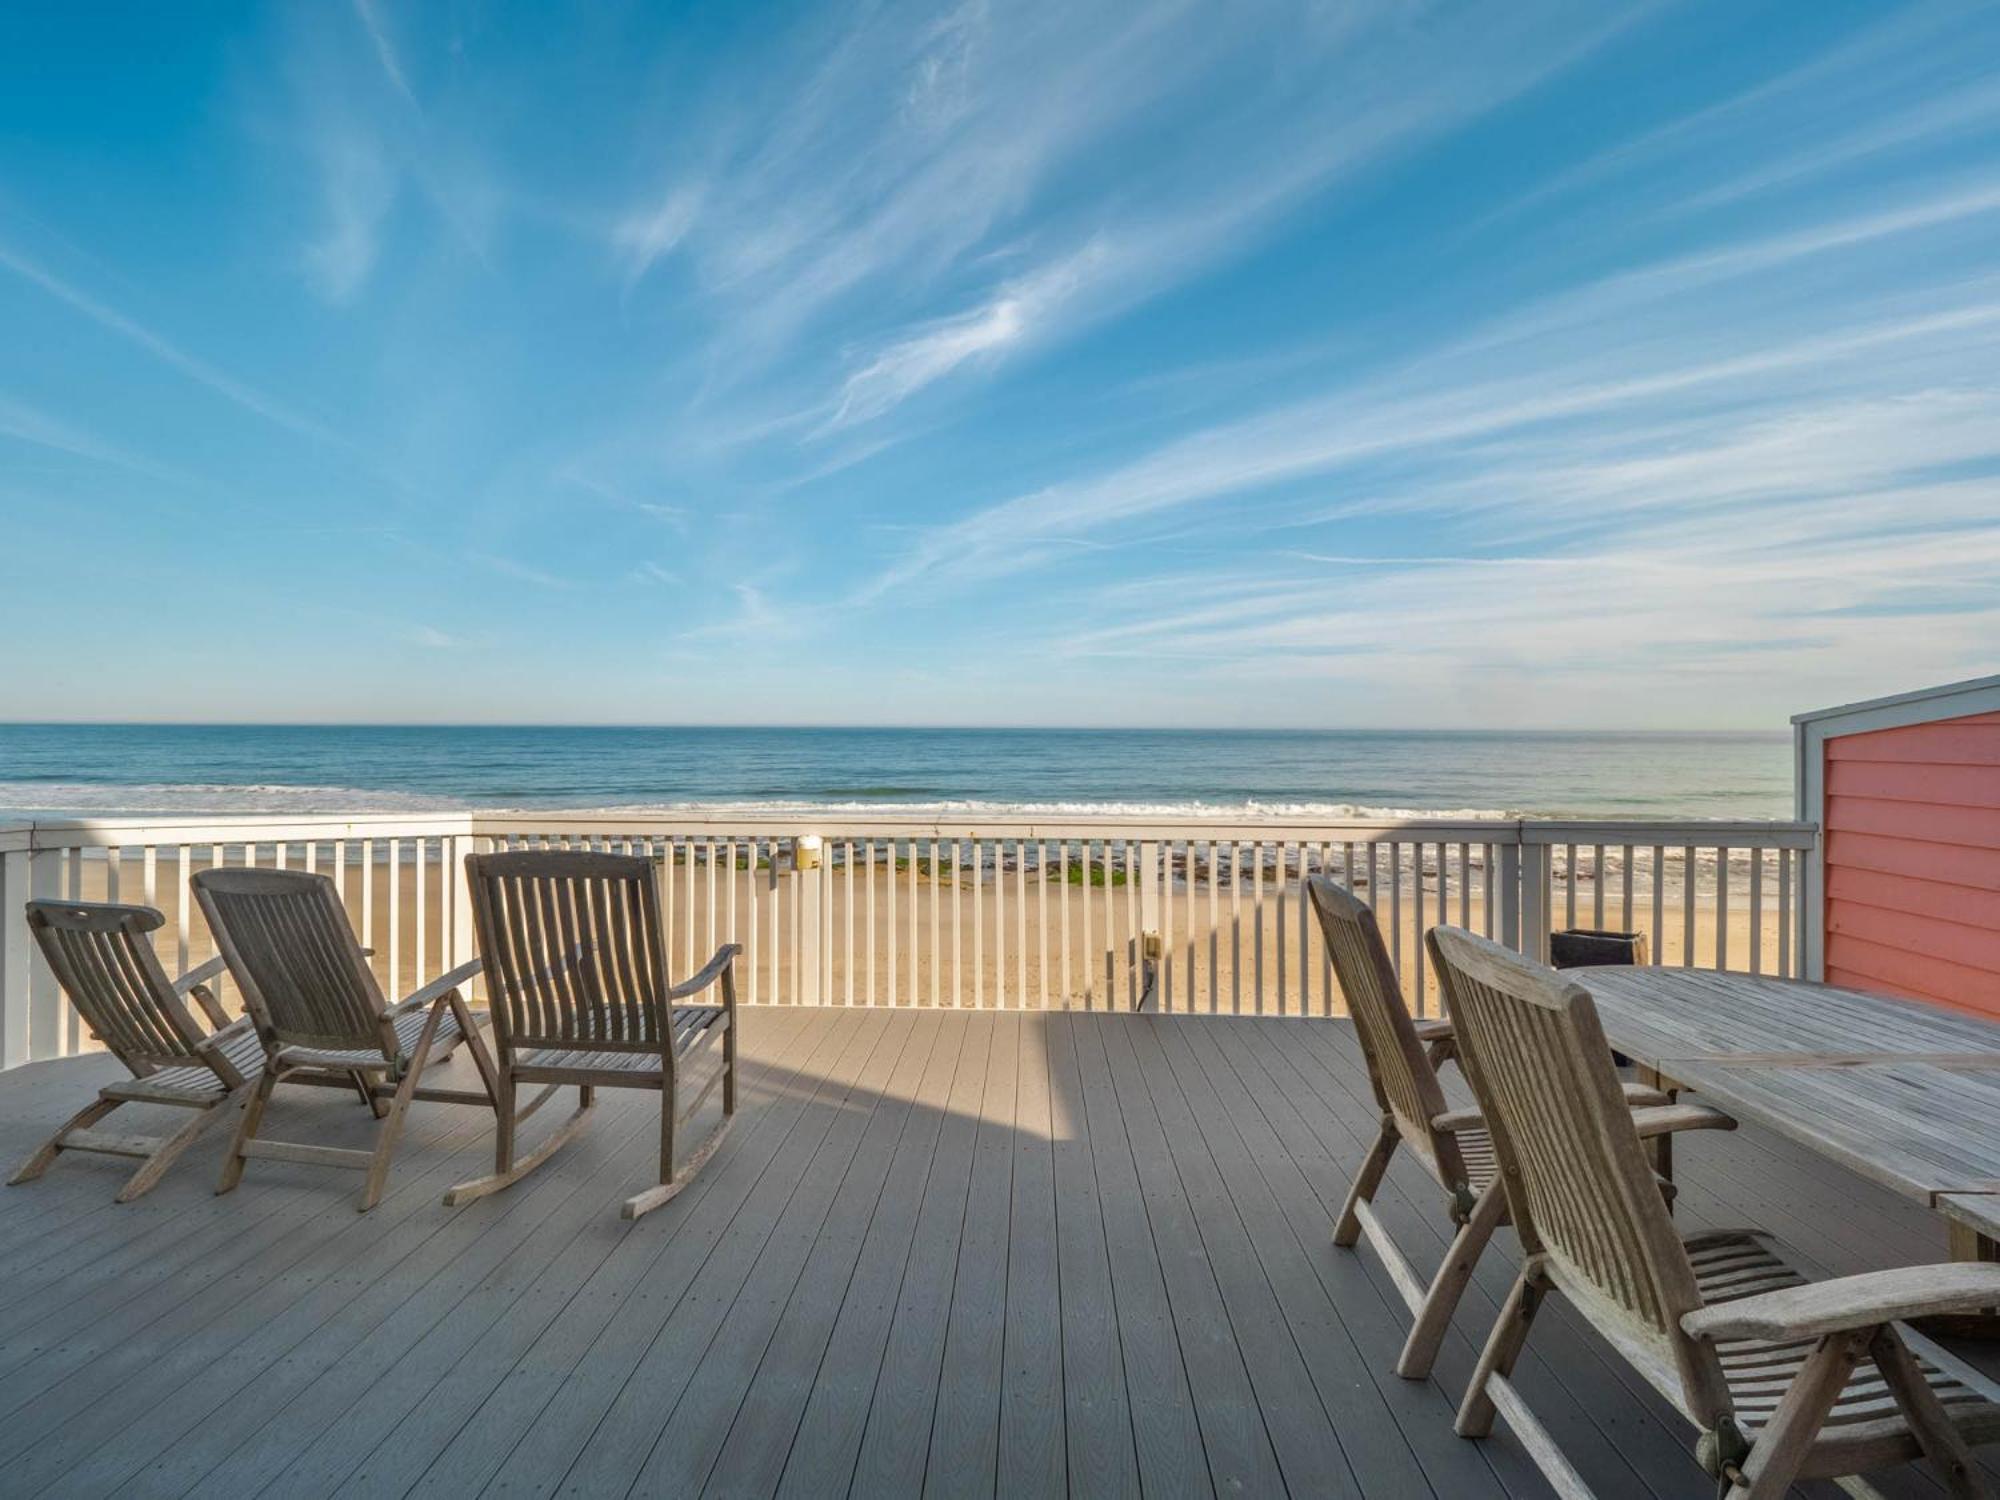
pixel 618 1450
pixel 1033 1458
pixel 547 1369
pixel 804 1410
pixel 1166 1428
pixel 277 1291
pixel 976 1253
pixel 1241 1457
pixel 1299 1411
pixel 1097 1411
pixel 895 1443
pixel 809 1248
pixel 965 1428
pixel 401 1395
pixel 1389 1427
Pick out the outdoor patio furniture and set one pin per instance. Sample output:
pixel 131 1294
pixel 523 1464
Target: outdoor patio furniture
pixel 320 1015
pixel 103 958
pixel 1904 1092
pixel 1452 1145
pixel 1785 1378
pixel 576 959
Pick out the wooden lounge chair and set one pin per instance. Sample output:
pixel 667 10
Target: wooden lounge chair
pixel 1785 1378
pixel 577 965
pixel 104 961
pixel 1451 1145
pixel 321 1019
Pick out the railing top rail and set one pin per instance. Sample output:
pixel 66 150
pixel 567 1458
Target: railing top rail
pixel 86 833
pixel 231 828
pixel 846 824
pixel 1669 832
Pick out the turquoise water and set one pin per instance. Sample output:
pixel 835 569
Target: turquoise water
pixel 50 769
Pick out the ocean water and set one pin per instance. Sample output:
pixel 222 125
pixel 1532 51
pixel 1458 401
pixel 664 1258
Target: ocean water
pixel 68 769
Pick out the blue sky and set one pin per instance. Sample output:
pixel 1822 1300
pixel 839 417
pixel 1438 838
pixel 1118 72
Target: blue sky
pixel 1206 364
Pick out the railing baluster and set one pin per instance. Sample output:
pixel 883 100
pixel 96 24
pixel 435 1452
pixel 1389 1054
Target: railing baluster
pixel 1692 894
pixel 1756 911
pixel 1722 908
pixel 1785 913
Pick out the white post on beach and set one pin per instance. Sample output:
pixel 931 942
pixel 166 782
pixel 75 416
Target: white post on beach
pixel 806 870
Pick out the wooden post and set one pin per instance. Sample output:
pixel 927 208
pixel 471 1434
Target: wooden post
pixel 15 946
pixel 806 913
pixel 1508 877
pixel 1535 901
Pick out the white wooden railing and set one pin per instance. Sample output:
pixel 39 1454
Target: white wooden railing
pixel 1206 916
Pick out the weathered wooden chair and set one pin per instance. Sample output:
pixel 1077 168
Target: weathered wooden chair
pixel 321 1019
pixel 1451 1145
pixel 576 964
pixel 1785 1378
pixel 103 958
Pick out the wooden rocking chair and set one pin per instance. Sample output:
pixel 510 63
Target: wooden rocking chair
pixel 104 961
pixel 1785 1378
pixel 1452 1145
pixel 576 961
pixel 321 1019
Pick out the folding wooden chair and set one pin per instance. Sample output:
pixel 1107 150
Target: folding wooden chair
pixel 1785 1378
pixel 104 961
pixel 576 962
pixel 321 1018
pixel 1451 1145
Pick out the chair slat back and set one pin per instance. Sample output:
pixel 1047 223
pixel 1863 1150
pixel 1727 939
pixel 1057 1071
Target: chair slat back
pixel 1579 1187
pixel 574 951
pixel 1405 1083
pixel 305 979
pixel 103 958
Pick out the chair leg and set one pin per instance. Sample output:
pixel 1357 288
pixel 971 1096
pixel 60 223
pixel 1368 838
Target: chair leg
pixel 1434 1317
pixel 39 1163
pixel 482 1060
pixel 155 1166
pixel 1347 1229
pixel 729 1059
pixel 1782 1445
pixel 671 1182
pixel 507 1170
pixel 1503 1347
pixel 1949 1453
pixel 392 1123
pixel 362 1086
pixel 246 1130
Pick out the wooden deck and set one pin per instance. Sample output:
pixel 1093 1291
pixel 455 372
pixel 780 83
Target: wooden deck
pixel 943 1252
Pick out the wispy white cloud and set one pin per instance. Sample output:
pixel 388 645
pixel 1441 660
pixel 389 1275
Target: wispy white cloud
pixel 509 567
pixel 358 187
pixel 370 18
pixel 160 348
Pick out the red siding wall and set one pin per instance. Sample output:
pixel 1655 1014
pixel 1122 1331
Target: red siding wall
pixel 1913 861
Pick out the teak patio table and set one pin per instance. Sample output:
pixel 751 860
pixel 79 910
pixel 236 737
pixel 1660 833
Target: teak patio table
pixel 1906 1094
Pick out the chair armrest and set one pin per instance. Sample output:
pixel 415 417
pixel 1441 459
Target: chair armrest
pixel 710 973
pixel 1650 1112
pixel 444 984
pixel 200 974
pixel 1667 1119
pixel 1637 1094
pixel 1851 1303
pixel 1437 1029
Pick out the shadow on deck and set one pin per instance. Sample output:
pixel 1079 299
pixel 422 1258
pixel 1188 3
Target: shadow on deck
pixel 968 1253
